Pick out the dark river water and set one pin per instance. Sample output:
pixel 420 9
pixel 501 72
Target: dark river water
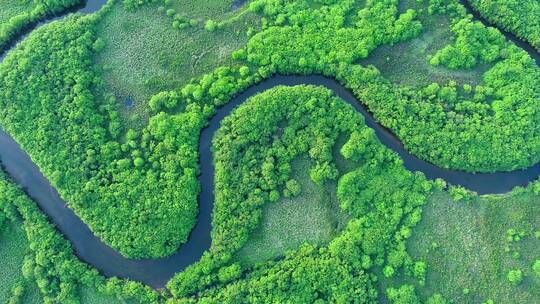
pixel 156 272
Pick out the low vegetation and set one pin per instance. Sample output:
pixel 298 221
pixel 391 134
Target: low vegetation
pixel 310 216
pixel 479 250
pixel 143 51
pixel 13 248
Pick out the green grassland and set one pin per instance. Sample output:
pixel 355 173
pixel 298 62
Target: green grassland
pixel 465 244
pixel 312 217
pixel 211 9
pixel 92 296
pixel 407 63
pixel 468 251
pixel 13 248
pixel 143 54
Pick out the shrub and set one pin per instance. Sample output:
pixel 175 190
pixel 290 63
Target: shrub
pixel 515 276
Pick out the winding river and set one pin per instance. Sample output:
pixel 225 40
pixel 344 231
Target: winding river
pixel 156 272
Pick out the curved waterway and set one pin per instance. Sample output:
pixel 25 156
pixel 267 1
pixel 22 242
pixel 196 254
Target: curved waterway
pixel 156 272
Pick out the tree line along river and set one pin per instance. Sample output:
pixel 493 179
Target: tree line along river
pixel 156 272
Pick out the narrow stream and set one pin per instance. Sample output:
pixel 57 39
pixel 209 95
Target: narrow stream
pixel 156 272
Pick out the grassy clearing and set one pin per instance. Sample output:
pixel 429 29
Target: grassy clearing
pixel 313 216
pixel 13 247
pixel 31 294
pixel 407 63
pixel 12 8
pixel 209 9
pixel 144 54
pixel 464 245
pixel 92 296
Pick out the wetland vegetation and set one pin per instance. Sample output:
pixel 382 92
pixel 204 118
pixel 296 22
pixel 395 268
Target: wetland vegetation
pixel 310 206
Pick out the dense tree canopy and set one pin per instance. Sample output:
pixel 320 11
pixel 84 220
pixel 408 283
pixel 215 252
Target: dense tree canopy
pixel 137 190
pixel 253 151
pixel 517 16
pixel 115 178
pixel 35 11
pixel 452 127
pixel 50 262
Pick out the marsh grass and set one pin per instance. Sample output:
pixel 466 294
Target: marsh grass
pixel 92 296
pixel 208 9
pixel 312 217
pixel 464 247
pixel 13 247
pixel 407 63
pixel 144 54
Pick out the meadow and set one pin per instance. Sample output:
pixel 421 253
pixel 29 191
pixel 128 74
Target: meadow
pixel 143 54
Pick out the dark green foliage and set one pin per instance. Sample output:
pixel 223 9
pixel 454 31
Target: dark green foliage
pixel 311 41
pixel 476 131
pixel 515 276
pixel 109 179
pixel 474 43
pixel 210 25
pixel 253 151
pixel 403 295
pixel 37 10
pixel 51 262
pixel 309 275
pixel 436 299
pixel 134 4
pixel 458 130
pixel 253 165
pixel 125 188
pixel 129 184
pixel 536 268
pixel 518 16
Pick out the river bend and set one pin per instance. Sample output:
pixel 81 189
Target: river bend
pixel 156 272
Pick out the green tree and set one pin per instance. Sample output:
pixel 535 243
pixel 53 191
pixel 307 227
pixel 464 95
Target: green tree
pixel 515 276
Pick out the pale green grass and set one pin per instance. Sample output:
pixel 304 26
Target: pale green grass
pixel 13 247
pixel 208 9
pixel 92 296
pixel 407 63
pixel 313 217
pixel 31 294
pixel 144 54
pixel 464 247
